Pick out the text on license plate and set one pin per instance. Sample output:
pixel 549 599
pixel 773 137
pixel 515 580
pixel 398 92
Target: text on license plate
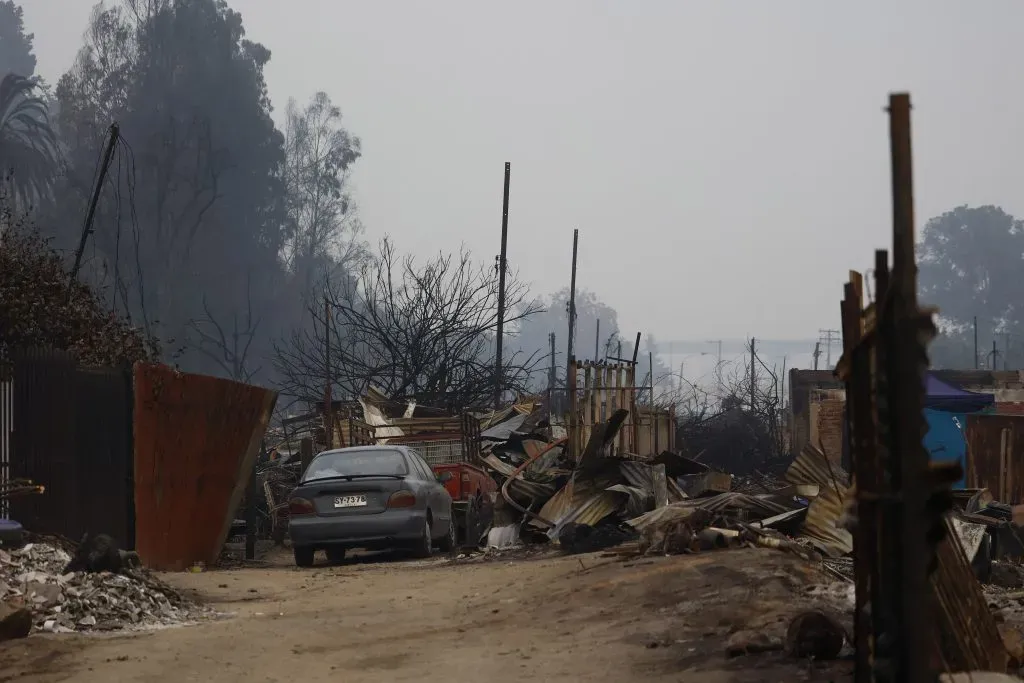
pixel 349 501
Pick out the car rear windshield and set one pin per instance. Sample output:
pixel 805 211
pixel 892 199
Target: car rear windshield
pixel 356 463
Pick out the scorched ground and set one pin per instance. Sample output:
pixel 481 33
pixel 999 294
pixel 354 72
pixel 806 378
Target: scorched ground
pixel 594 617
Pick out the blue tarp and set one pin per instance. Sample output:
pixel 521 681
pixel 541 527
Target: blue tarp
pixel 945 439
pixel 941 395
pixel 946 410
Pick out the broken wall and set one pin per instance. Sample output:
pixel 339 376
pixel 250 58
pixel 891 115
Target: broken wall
pixel 801 385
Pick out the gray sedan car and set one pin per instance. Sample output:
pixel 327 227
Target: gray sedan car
pixel 372 497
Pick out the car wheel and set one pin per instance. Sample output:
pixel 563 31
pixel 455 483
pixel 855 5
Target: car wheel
pixel 335 555
pixel 425 547
pixel 448 543
pixel 304 556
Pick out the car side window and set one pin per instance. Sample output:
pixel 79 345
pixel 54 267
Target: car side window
pixel 428 474
pixel 415 465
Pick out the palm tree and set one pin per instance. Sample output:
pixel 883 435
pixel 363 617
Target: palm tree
pixel 29 151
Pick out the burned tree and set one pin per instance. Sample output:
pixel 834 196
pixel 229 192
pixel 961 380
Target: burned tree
pixel 739 427
pixel 228 345
pixel 422 331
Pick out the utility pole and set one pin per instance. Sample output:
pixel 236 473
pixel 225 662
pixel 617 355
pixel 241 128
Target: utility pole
pixel 650 364
pixel 828 336
pixel 499 371
pixel 551 374
pixel 994 363
pixel 328 422
pixel 753 372
pixel 718 363
pixel 1006 350
pixel 551 368
pixel 817 353
pixel 108 155
pixel 572 302
pixel 597 341
pixel 975 342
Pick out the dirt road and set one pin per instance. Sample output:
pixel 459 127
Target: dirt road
pixel 581 618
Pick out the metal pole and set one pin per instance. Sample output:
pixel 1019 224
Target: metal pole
pixel 108 155
pixel 975 342
pixel 551 375
pixel 250 507
pixel 328 422
pixel 597 341
pixel 572 301
pixel 499 371
pixel 753 371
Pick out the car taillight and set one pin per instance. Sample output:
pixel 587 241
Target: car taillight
pixel 401 499
pixel 300 506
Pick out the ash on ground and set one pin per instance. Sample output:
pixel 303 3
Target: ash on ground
pixel 33 576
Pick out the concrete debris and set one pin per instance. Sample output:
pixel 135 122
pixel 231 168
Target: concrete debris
pixel 33 577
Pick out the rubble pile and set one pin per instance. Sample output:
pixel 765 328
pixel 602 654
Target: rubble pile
pixel 32 577
pixel 667 503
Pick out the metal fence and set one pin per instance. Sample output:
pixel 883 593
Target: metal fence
pixel 69 429
pixel 6 418
pixel 439 451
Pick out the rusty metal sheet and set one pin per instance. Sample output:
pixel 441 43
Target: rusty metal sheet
pixel 812 467
pixel 995 456
pixel 591 511
pixel 967 637
pixel 196 441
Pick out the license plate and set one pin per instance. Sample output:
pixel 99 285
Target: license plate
pixel 349 501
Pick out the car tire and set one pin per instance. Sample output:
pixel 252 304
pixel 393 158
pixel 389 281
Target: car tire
pixel 335 555
pixel 449 542
pixel 425 546
pixel 304 556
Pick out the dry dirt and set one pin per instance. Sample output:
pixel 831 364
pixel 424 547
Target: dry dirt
pixel 580 618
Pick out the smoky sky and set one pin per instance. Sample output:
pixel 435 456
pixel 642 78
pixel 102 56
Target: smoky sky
pixel 726 163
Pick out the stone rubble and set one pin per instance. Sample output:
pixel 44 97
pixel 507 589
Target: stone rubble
pixel 62 603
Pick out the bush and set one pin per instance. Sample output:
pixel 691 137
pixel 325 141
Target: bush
pixel 40 306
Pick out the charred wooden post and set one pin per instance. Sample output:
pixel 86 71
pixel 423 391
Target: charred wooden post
pixel 919 609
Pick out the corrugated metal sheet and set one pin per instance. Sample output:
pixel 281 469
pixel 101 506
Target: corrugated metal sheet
pixel 995 456
pixel 523 490
pixel 668 513
pixel 812 467
pixel 968 637
pixel 196 441
pixel 71 431
pixel 578 493
pixel 591 511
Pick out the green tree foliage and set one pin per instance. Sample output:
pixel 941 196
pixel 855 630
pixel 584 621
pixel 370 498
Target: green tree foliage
pixel 970 260
pixel 28 146
pixel 16 55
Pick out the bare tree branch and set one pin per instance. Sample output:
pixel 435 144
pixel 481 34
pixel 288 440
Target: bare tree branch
pixel 423 331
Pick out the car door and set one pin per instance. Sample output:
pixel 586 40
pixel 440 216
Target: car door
pixel 438 497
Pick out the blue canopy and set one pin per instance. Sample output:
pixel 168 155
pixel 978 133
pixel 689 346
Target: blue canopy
pixel 946 397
